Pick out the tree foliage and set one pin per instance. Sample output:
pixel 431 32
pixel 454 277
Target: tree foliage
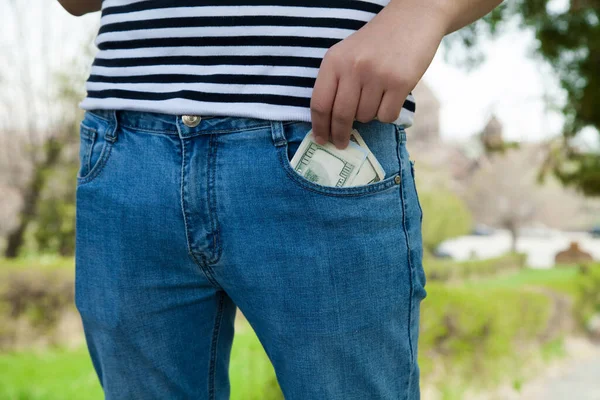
pixel 569 39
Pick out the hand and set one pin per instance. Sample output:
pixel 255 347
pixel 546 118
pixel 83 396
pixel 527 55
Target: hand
pixel 369 74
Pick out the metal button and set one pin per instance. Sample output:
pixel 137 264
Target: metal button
pixel 397 179
pixel 191 121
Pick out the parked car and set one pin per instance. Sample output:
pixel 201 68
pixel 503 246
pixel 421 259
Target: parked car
pixel 482 230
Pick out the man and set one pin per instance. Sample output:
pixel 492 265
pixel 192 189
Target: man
pixel 188 206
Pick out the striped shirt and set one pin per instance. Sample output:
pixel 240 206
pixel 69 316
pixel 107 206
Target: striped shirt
pixel 245 58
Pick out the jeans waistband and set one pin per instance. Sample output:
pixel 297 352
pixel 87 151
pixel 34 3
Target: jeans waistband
pixel 181 125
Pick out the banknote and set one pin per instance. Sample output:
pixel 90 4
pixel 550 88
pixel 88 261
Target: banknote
pixel 329 166
pixel 371 171
pixel 326 164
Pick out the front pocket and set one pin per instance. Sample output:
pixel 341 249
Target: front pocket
pixel 412 173
pixel 87 136
pixel 381 139
pixel 94 150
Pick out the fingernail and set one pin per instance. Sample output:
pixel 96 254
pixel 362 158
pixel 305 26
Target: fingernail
pixel 341 145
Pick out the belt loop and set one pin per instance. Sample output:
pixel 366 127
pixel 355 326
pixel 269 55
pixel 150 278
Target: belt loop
pixel 112 134
pixel 278 133
pixel 402 134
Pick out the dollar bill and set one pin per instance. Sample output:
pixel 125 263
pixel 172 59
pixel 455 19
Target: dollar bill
pixel 329 166
pixel 326 164
pixel 371 171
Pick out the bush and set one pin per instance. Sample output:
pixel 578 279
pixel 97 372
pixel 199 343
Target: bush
pixel 588 294
pixel 484 333
pixel 445 216
pixel 448 270
pixel 35 298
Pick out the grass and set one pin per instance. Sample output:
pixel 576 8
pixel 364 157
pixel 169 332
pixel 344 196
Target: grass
pixel 562 279
pixel 63 374
pixel 474 326
pixel 38 262
pixel 51 374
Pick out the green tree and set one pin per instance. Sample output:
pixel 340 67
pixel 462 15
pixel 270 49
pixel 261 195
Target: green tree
pixel 569 39
pixel 40 118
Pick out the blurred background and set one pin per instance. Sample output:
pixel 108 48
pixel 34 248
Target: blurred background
pixel 507 153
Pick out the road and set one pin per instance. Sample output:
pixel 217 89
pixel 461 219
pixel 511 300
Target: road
pixel 582 382
pixel 577 378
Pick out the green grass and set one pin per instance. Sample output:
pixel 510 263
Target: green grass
pixel 488 326
pixel 39 262
pixel 55 374
pixel 62 374
pixel 561 279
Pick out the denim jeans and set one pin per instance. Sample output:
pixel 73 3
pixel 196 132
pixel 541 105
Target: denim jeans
pixel 181 221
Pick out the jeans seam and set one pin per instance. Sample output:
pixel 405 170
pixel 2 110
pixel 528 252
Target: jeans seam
pixel 106 150
pixel 410 275
pixel 88 156
pixel 212 196
pixel 200 264
pixel 412 172
pixel 99 166
pixel 213 348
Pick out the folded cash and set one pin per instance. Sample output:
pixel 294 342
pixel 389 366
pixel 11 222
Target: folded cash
pixel 372 172
pixel 329 166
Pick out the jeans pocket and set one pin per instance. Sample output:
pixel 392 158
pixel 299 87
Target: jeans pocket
pixel 95 144
pixel 380 138
pixel 412 173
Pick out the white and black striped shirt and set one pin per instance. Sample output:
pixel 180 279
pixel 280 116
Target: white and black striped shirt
pixel 246 58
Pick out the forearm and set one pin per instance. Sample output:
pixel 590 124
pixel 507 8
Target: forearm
pixel 452 14
pixel 80 7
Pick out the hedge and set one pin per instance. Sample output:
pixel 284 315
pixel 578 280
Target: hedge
pixel 480 336
pixel 447 270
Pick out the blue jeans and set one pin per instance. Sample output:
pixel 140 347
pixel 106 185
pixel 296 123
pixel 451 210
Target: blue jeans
pixel 179 223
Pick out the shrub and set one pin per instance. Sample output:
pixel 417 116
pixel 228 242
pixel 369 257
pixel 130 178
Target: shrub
pixel 588 293
pixel 448 270
pixel 485 333
pixel 445 216
pixel 35 298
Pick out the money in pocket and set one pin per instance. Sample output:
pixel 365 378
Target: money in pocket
pixel 329 166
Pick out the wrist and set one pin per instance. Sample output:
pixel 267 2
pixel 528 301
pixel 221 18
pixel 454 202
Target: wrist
pixel 438 13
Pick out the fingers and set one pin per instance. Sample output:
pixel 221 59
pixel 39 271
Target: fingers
pixel 321 102
pixel 344 111
pixel 390 107
pixel 340 97
pixel 370 98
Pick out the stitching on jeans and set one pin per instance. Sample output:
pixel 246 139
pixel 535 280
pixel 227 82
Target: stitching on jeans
pixel 84 128
pixel 250 128
pixel 213 348
pixel 91 138
pixel 410 272
pixel 212 196
pixel 91 112
pixel 185 218
pixel 412 171
pixel 176 133
pixel 101 163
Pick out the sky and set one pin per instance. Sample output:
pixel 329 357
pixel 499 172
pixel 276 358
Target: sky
pixel 511 83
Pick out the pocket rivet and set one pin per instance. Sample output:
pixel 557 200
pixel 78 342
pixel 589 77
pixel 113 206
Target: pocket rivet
pixel 397 179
